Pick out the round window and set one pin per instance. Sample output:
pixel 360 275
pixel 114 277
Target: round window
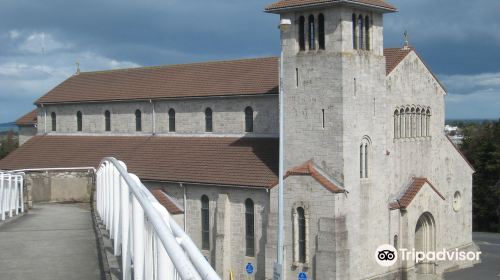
pixel 457 201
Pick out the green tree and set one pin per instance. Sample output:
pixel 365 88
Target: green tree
pixel 8 144
pixel 481 146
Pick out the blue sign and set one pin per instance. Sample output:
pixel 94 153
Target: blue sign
pixel 302 276
pixel 249 268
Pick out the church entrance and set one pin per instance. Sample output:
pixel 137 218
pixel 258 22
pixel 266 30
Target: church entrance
pixel 425 241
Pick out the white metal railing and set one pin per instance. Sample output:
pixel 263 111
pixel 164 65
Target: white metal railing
pixel 152 245
pixel 11 194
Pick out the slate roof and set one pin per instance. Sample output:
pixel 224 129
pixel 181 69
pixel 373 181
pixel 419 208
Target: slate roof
pixel 28 119
pixel 205 160
pixel 407 197
pixel 286 4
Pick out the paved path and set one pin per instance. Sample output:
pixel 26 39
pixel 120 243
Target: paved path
pixel 489 268
pixel 51 242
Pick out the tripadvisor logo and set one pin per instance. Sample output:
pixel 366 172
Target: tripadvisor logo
pixel 386 255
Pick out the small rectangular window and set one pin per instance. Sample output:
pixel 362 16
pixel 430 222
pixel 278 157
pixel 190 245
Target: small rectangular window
pixel 297 77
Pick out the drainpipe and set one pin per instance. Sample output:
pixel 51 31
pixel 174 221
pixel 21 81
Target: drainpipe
pixel 185 207
pixel 45 120
pixel 154 116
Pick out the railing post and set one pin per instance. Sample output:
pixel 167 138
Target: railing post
pixel 116 212
pixel 2 196
pixel 125 218
pixel 9 198
pixel 138 229
pixel 22 193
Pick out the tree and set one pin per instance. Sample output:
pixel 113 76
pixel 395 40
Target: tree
pixel 481 146
pixel 8 144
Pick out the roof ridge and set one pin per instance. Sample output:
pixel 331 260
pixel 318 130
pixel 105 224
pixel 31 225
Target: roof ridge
pixel 176 65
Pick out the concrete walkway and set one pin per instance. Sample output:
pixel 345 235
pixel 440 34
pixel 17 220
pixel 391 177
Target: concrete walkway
pixel 51 242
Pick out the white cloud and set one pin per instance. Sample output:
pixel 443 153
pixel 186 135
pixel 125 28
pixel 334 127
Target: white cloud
pixel 14 34
pixel 42 43
pixel 469 84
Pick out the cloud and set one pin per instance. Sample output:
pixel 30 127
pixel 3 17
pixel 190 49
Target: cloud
pixel 470 84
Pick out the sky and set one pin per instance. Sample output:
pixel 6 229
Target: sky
pixel 40 42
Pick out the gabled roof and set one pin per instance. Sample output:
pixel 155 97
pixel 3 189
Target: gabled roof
pixel 245 77
pixel 461 154
pixel 28 119
pixel 393 56
pixel 246 162
pixel 220 78
pixel 288 4
pixel 168 202
pixel 310 169
pixel 407 197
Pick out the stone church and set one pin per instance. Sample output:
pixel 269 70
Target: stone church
pixel 366 159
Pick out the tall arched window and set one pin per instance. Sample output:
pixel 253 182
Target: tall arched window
pixel 208 120
pixel 396 124
pixel 138 120
pixel 249 228
pixel 423 130
pixel 205 223
pixel 53 118
pixel 360 32
pixel 407 123
pixel 248 119
pixel 418 123
pixel 364 148
pixel 367 33
pixel 401 123
pixel 413 123
pixel 311 34
pixel 171 120
pixel 354 35
pixel 321 31
pixel 302 35
pixel 107 121
pixel 79 121
pixel 428 123
pixel 301 226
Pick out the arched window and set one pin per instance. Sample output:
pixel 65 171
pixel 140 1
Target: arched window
pixel 138 120
pixel 401 123
pixel 428 123
pixel 249 228
pixel 413 123
pixel 321 31
pixel 407 123
pixel 311 33
pixel 360 32
pixel 367 33
pixel 418 123
pixel 354 35
pixel 205 223
pixel 302 35
pixel 208 120
pixel 364 148
pixel 53 118
pixel 301 226
pixel 248 119
pixel 79 121
pixel 171 120
pixel 423 116
pixel 396 245
pixel 107 121
pixel 396 124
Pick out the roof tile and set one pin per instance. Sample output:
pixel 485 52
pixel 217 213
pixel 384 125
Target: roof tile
pixel 284 4
pixel 207 160
pixel 28 119
pixel 407 197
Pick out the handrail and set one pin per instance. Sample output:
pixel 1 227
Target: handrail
pixel 143 231
pixel 11 193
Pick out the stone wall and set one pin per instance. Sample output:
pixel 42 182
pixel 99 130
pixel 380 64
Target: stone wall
pixel 228 116
pixel 60 186
pixel 227 224
pixel 25 133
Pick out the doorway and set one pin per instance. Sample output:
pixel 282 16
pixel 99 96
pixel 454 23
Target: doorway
pixel 425 241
